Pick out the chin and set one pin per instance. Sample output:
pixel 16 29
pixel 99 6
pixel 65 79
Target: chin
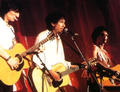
pixel 12 20
pixel 61 30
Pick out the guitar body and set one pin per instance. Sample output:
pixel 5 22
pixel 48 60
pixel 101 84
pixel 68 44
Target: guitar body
pixel 8 76
pixel 106 81
pixel 46 85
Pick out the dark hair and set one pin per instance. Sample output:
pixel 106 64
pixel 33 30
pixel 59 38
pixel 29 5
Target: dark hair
pixel 97 32
pixel 53 17
pixel 9 5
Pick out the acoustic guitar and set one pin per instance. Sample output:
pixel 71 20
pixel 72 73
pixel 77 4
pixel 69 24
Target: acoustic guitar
pixel 43 83
pixel 9 76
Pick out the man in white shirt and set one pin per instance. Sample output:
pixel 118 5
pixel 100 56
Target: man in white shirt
pixel 51 52
pixel 8 13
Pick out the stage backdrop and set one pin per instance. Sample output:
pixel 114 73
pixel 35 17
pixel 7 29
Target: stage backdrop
pixel 82 17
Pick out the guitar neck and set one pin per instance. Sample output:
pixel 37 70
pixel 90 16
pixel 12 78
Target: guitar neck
pixel 68 71
pixel 36 46
pixel 30 50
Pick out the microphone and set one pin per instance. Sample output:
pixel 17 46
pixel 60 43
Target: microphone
pixel 70 32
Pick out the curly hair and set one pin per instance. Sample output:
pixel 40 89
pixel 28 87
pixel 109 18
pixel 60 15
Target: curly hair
pixel 53 17
pixel 9 5
pixel 97 32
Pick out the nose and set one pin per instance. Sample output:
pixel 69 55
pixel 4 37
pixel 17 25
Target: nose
pixel 17 15
pixel 64 25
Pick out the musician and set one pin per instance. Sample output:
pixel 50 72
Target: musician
pixel 100 38
pixel 51 52
pixel 9 12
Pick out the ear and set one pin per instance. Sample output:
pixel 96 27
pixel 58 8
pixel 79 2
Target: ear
pixel 53 24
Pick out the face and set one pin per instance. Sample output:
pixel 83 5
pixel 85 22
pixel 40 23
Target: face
pixel 59 26
pixel 11 16
pixel 103 38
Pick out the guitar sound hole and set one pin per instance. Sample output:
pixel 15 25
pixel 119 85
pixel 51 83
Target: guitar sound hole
pixel 20 66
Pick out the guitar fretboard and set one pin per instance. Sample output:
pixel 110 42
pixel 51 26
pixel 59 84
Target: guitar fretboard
pixel 68 71
pixel 36 46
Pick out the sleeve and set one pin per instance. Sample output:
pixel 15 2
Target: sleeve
pixel 68 64
pixel 40 37
pixel 35 59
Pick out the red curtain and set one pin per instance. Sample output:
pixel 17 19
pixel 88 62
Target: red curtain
pixel 82 17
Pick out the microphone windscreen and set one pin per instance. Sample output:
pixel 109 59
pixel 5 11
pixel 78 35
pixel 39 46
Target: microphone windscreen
pixel 65 29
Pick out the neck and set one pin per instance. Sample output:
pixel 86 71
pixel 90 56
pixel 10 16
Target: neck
pixel 6 20
pixel 102 46
pixel 55 33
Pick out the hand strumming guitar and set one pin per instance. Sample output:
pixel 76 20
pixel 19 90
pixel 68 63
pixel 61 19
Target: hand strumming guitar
pixel 55 75
pixel 13 62
pixel 57 80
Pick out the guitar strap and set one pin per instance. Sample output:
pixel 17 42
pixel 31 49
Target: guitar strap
pixel 48 80
pixel 14 39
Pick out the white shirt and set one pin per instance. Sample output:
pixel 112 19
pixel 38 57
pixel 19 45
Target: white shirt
pixel 102 56
pixel 7 35
pixel 52 54
pixel 7 38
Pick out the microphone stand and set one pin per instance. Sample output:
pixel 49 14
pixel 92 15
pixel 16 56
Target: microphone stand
pixel 44 69
pixel 54 82
pixel 89 71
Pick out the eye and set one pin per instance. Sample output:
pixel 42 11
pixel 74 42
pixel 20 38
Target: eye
pixel 104 34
